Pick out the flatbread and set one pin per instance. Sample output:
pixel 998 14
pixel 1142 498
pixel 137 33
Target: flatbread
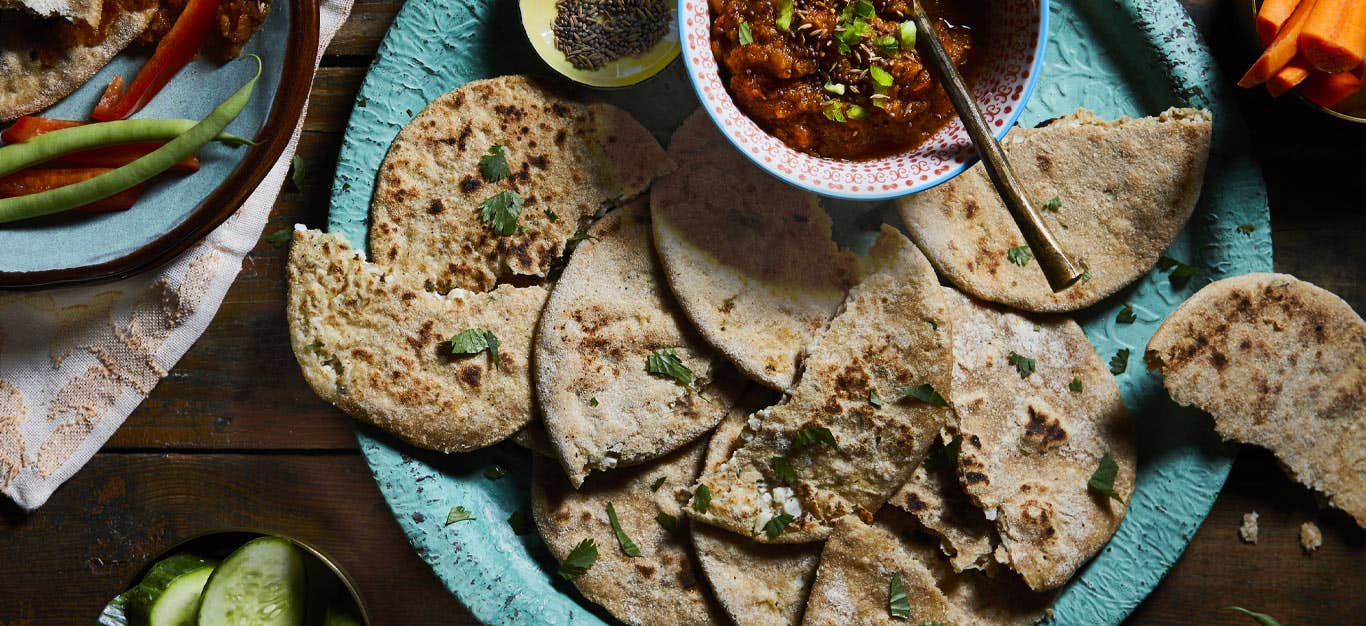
pixel 859 561
pixel 938 503
pixel 757 584
pixel 1127 188
pixel 370 341
pixel 1279 363
pixel 88 11
pixel 749 257
pixel 662 585
pixel 893 332
pixel 1030 445
pixel 609 311
pixel 568 158
pixel 28 84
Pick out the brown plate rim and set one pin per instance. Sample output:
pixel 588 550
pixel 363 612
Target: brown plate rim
pixel 285 112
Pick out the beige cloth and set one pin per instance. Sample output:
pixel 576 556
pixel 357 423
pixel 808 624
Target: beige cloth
pixel 75 362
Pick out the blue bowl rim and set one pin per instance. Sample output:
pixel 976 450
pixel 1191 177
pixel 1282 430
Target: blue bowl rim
pixel 1040 45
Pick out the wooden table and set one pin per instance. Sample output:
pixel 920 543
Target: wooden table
pixel 233 436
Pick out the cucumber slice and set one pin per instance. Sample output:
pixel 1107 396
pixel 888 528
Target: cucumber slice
pixel 169 594
pixel 262 583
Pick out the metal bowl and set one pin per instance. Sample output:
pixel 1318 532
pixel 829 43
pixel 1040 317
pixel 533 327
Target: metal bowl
pixel 1352 110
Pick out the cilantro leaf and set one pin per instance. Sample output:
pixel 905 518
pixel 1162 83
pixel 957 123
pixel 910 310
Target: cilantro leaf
pixel 581 235
pixel 280 237
pixel 782 470
pixel 905 34
pixel 519 522
pixel 593 401
pixel 898 606
pixel 668 522
pixel 1119 363
pixel 881 77
pixel 1023 364
pixel 873 399
pixel 494 472
pixel 500 211
pixel 314 347
pixel 458 514
pixel 1103 480
pixel 784 19
pixel 665 362
pixel 887 44
pixel 864 9
pixel 474 341
pixel 1262 618
pixel 493 166
pixel 552 216
pixel 924 393
pixel 1181 273
pixel 1085 277
pixel 834 111
pixel 296 172
pixel 1075 385
pixel 659 482
pixel 777 525
pixel 1126 315
pixel 1019 255
pixel 744 35
pixel 579 560
pixel 1247 229
pixel 627 546
pixel 701 498
pixel 1053 204
pixel 945 457
pixel 808 436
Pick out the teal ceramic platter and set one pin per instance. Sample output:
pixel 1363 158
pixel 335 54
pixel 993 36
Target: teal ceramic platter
pixel 176 209
pixel 1115 57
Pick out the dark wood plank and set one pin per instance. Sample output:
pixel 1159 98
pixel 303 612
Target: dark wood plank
pixel 63 562
pixel 362 32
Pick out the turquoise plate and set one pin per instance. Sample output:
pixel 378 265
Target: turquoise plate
pixel 175 210
pixel 1116 57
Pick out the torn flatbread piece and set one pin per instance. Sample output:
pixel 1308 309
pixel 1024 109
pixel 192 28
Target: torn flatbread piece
pixel 621 378
pixel 938 503
pixel 87 12
pixel 490 181
pixel 371 341
pixel 1038 412
pixel 662 584
pixel 853 584
pixel 758 584
pixel 1115 194
pixel 845 439
pixel 749 257
pixel 1279 363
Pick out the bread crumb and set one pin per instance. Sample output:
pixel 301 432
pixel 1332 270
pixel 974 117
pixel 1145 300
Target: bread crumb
pixel 1248 531
pixel 1310 537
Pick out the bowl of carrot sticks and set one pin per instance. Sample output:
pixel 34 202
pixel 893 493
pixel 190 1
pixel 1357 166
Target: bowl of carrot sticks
pixel 1314 49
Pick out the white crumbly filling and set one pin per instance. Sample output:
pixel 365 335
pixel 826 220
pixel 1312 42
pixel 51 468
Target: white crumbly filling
pixel 773 502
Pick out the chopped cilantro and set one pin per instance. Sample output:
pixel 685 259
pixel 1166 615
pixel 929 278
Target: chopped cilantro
pixel 665 362
pixel 880 76
pixel 1085 277
pixel 945 457
pixel 873 399
pixel 552 216
pixel 864 9
pixel 493 166
pixel 494 472
pixel 314 347
pixel 1181 273
pixel 1075 386
pixel 519 522
pixel 887 44
pixel 784 19
pixel 1103 480
pixel 782 470
pixel 701 498
pixel 474 341
pixel 1247 229
pixel 280 237
pixel 296 172
pixel 835 88
pixel 500 211
pixel 898 606
pixel 745 36
pixel 1126 315
pixel 362 102
pixel 1053 204
pixel 808 436
pixel 582 557
pixel 924 393
pixel 627 546
pixel 905 34
pixel 777 525
pixel 593 401
pixel 581 235
pixel 834 111
pixel 1023 364
pixel 659 482
pixel 1262 618
pixel 1019 255
pixel 458 514
pixel 1120 362
pixel 856 112
pixel 667 522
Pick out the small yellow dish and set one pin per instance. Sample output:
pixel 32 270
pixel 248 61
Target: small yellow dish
pixel 538 18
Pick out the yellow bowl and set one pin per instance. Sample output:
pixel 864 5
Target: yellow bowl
pixel 538 16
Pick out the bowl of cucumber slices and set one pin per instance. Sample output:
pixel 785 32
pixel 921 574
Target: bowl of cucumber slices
pixel 239 577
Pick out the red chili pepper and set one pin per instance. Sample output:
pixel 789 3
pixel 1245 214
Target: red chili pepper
pixel 28 127
pixel 174 50
pixel 33 181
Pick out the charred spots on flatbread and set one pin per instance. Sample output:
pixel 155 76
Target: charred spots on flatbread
pixel 1043 431
pixel 471 375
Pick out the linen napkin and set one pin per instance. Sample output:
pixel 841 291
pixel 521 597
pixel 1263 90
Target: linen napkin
pixel 75 362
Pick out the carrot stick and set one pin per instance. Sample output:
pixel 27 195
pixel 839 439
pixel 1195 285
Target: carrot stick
pixel 1272 16
pixel 1334 36
pixel 1328 90
pixel 1281 50
pixel 1291 75
pixel 33 181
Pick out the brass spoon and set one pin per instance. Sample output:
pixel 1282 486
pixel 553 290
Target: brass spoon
pixel 1057 266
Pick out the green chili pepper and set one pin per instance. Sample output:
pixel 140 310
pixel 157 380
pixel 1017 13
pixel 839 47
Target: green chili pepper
pixel 48 146
pixel 137 172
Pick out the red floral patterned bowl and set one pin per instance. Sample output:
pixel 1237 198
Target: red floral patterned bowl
pixel 1014 54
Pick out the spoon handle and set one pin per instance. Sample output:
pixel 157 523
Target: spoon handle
pixel 1057 266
